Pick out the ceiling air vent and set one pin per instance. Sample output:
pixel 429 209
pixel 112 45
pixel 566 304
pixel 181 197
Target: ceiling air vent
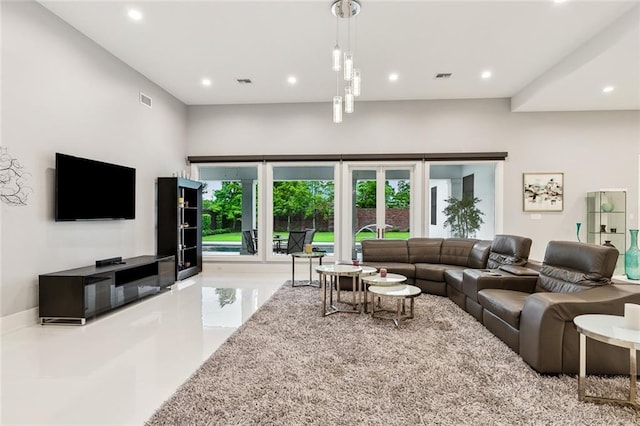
pixel 145 100
pixel 244 81
pixel 443 75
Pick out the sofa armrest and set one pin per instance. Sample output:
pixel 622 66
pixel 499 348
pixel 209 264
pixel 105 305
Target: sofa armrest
pixel 476 280
pixel 547 318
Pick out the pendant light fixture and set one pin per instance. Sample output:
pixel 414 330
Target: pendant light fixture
pixel 345 9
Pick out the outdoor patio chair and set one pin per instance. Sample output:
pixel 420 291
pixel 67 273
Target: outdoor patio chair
pixel 308 236
pixel 247 242
pixel 295 243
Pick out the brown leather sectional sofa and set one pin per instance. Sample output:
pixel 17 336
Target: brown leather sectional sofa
pixel 529 306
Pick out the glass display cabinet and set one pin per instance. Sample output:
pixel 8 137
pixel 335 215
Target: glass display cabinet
pixel 606 221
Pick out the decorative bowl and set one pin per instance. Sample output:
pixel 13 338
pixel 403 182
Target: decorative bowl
pixel 607 207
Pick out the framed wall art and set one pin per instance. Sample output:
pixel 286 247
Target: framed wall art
pixel 543 192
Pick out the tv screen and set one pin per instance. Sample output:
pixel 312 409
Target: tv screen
pixel 93 190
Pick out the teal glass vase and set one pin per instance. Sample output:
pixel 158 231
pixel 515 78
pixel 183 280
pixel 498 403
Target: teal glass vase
pixel 632 257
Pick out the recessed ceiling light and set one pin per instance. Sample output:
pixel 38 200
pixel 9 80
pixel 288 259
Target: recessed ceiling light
pixel 486 74
pixel 608 89
pixel 393 76
pixel 206 82
pixel 135 14
pixel 292 80
pixel 559 1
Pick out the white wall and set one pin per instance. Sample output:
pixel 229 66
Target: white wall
pixel 443 191
pixel 63 93
pixel 483 182
pixel 593 149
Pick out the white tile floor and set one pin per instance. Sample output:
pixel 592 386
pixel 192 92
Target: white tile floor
pixel 118 369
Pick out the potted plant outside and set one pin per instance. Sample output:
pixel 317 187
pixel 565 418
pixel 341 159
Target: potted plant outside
pixel 463 216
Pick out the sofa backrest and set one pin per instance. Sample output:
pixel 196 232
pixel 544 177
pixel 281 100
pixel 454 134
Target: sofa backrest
pixel 480 254
pixel 509 250
pixel 388 250
pixel 424 250
pixel 571 266
pixel 456 251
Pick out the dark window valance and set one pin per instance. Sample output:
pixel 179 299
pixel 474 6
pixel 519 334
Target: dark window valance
pixel 440 156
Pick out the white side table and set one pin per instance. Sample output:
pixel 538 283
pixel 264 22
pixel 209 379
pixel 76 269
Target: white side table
pixel 366 272
pixel 334 272
pixel 377 280
pixel 608 329
pixel 399 292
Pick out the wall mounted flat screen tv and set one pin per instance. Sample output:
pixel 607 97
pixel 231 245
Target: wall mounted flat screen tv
pixel 93 190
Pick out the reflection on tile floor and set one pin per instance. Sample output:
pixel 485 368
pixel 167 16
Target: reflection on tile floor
pixel 118 369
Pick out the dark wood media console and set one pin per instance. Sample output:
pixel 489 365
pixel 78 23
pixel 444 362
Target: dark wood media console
pixel 75 295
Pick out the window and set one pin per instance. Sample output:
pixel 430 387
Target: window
pixel 229 210
pixel 303 197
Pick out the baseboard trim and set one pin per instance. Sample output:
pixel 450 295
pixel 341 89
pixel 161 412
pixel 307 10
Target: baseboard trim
pixel 18 320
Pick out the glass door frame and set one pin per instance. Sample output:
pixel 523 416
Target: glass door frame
pixel 416 201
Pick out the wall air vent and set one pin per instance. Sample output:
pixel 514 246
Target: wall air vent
pixel 443 75
pixel 244 81
pixel 145 100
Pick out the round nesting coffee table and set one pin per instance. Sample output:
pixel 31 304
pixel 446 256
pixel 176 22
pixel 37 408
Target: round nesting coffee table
pixel 376 279
pixel 399 292
pixel 334 272
pixel 367 271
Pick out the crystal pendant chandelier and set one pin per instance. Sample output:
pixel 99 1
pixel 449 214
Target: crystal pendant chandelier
pixel 343 63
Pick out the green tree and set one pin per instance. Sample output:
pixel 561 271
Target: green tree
pixel 320 200
pixel 402 196
pixel 290 198
pixel 463 217
pixel 366 194
pixel 227 203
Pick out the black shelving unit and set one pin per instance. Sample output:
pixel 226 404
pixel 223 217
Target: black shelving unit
pixel 180 224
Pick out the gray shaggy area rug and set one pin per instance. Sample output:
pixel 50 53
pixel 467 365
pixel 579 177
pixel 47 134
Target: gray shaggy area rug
pixel 288 365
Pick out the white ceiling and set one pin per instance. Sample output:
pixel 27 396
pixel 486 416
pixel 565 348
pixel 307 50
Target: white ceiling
pixel 545 56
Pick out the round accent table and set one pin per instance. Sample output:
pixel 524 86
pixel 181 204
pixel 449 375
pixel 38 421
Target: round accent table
pixel 334 272
pixel 609 329
pixel 303 255
pixel 376 279
pixel 401 293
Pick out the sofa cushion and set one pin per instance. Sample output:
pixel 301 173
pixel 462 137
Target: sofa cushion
pixel 431 272
pixel 571 266
pixel 505 304
pixel 479 254
pixel 387 250
pixel 509 250
pixel 424 250
pixel 456 251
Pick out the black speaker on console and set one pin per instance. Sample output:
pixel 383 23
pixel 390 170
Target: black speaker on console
pixel 107 262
